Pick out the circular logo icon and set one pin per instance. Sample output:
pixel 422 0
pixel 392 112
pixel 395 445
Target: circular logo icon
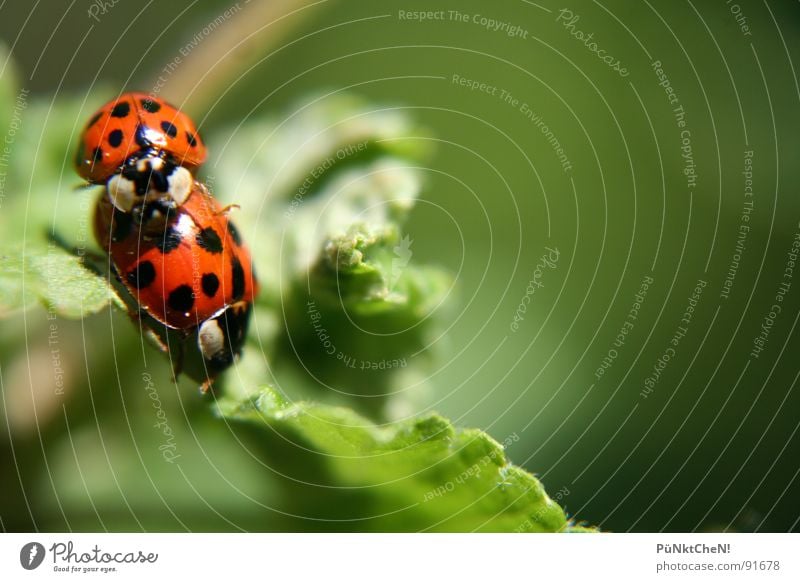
pixel 31 555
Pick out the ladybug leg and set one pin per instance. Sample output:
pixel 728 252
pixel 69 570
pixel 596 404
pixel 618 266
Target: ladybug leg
pixel 207 386
pixel 84 186
pixel 140 321
pixel 178 352
pixel 93 261
pixel 150 334
pixel 177 362
pixel 227 209
pixel 91 258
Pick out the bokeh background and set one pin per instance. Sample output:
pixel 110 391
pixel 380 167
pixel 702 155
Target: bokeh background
pixel 708 443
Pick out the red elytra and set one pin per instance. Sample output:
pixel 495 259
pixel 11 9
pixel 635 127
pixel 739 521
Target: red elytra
pixel 136 125
pixel 182 269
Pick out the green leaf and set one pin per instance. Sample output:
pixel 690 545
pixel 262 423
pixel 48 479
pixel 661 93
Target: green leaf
pixel 367 272
pixel 362 317
pixel 414 475
pixel 303 179
pixel 327 190
pixel 46 274
pixel 270 160
pixel 377 196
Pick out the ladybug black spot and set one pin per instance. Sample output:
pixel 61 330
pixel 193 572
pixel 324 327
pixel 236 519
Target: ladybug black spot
pixel 97 155
pixel 237 273
pixel 150 106
pixel 169 128
pixel 191 139
pixel 210 284
pixel 142 275
pixel 170 241
pixel 181 298
pixel 115 138
pixel 234 232
pixel 121 109
pixel 209 240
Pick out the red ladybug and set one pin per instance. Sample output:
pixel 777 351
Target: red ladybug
pixel 187 270
pixel 145 149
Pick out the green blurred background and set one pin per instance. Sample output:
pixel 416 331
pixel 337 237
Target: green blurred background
pixel 713 446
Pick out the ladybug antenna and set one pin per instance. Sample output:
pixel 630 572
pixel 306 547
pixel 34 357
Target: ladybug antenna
pixel 227 209
pixel 83 186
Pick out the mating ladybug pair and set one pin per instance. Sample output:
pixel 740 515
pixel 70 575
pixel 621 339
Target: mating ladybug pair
pixel 187 274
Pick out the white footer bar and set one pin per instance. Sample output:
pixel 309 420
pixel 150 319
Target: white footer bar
pixel 401 557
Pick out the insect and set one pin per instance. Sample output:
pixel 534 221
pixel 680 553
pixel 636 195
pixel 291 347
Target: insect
pixel 144 149
pixel 187 275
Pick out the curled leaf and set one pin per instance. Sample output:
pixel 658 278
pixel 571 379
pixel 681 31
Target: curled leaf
pixel 420 474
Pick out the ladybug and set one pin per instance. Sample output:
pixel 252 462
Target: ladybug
pixel 204 352
pixel 144 149
pixel 186 274
pixel 214 345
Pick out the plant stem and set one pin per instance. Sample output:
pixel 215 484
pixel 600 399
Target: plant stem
pixel 210 69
